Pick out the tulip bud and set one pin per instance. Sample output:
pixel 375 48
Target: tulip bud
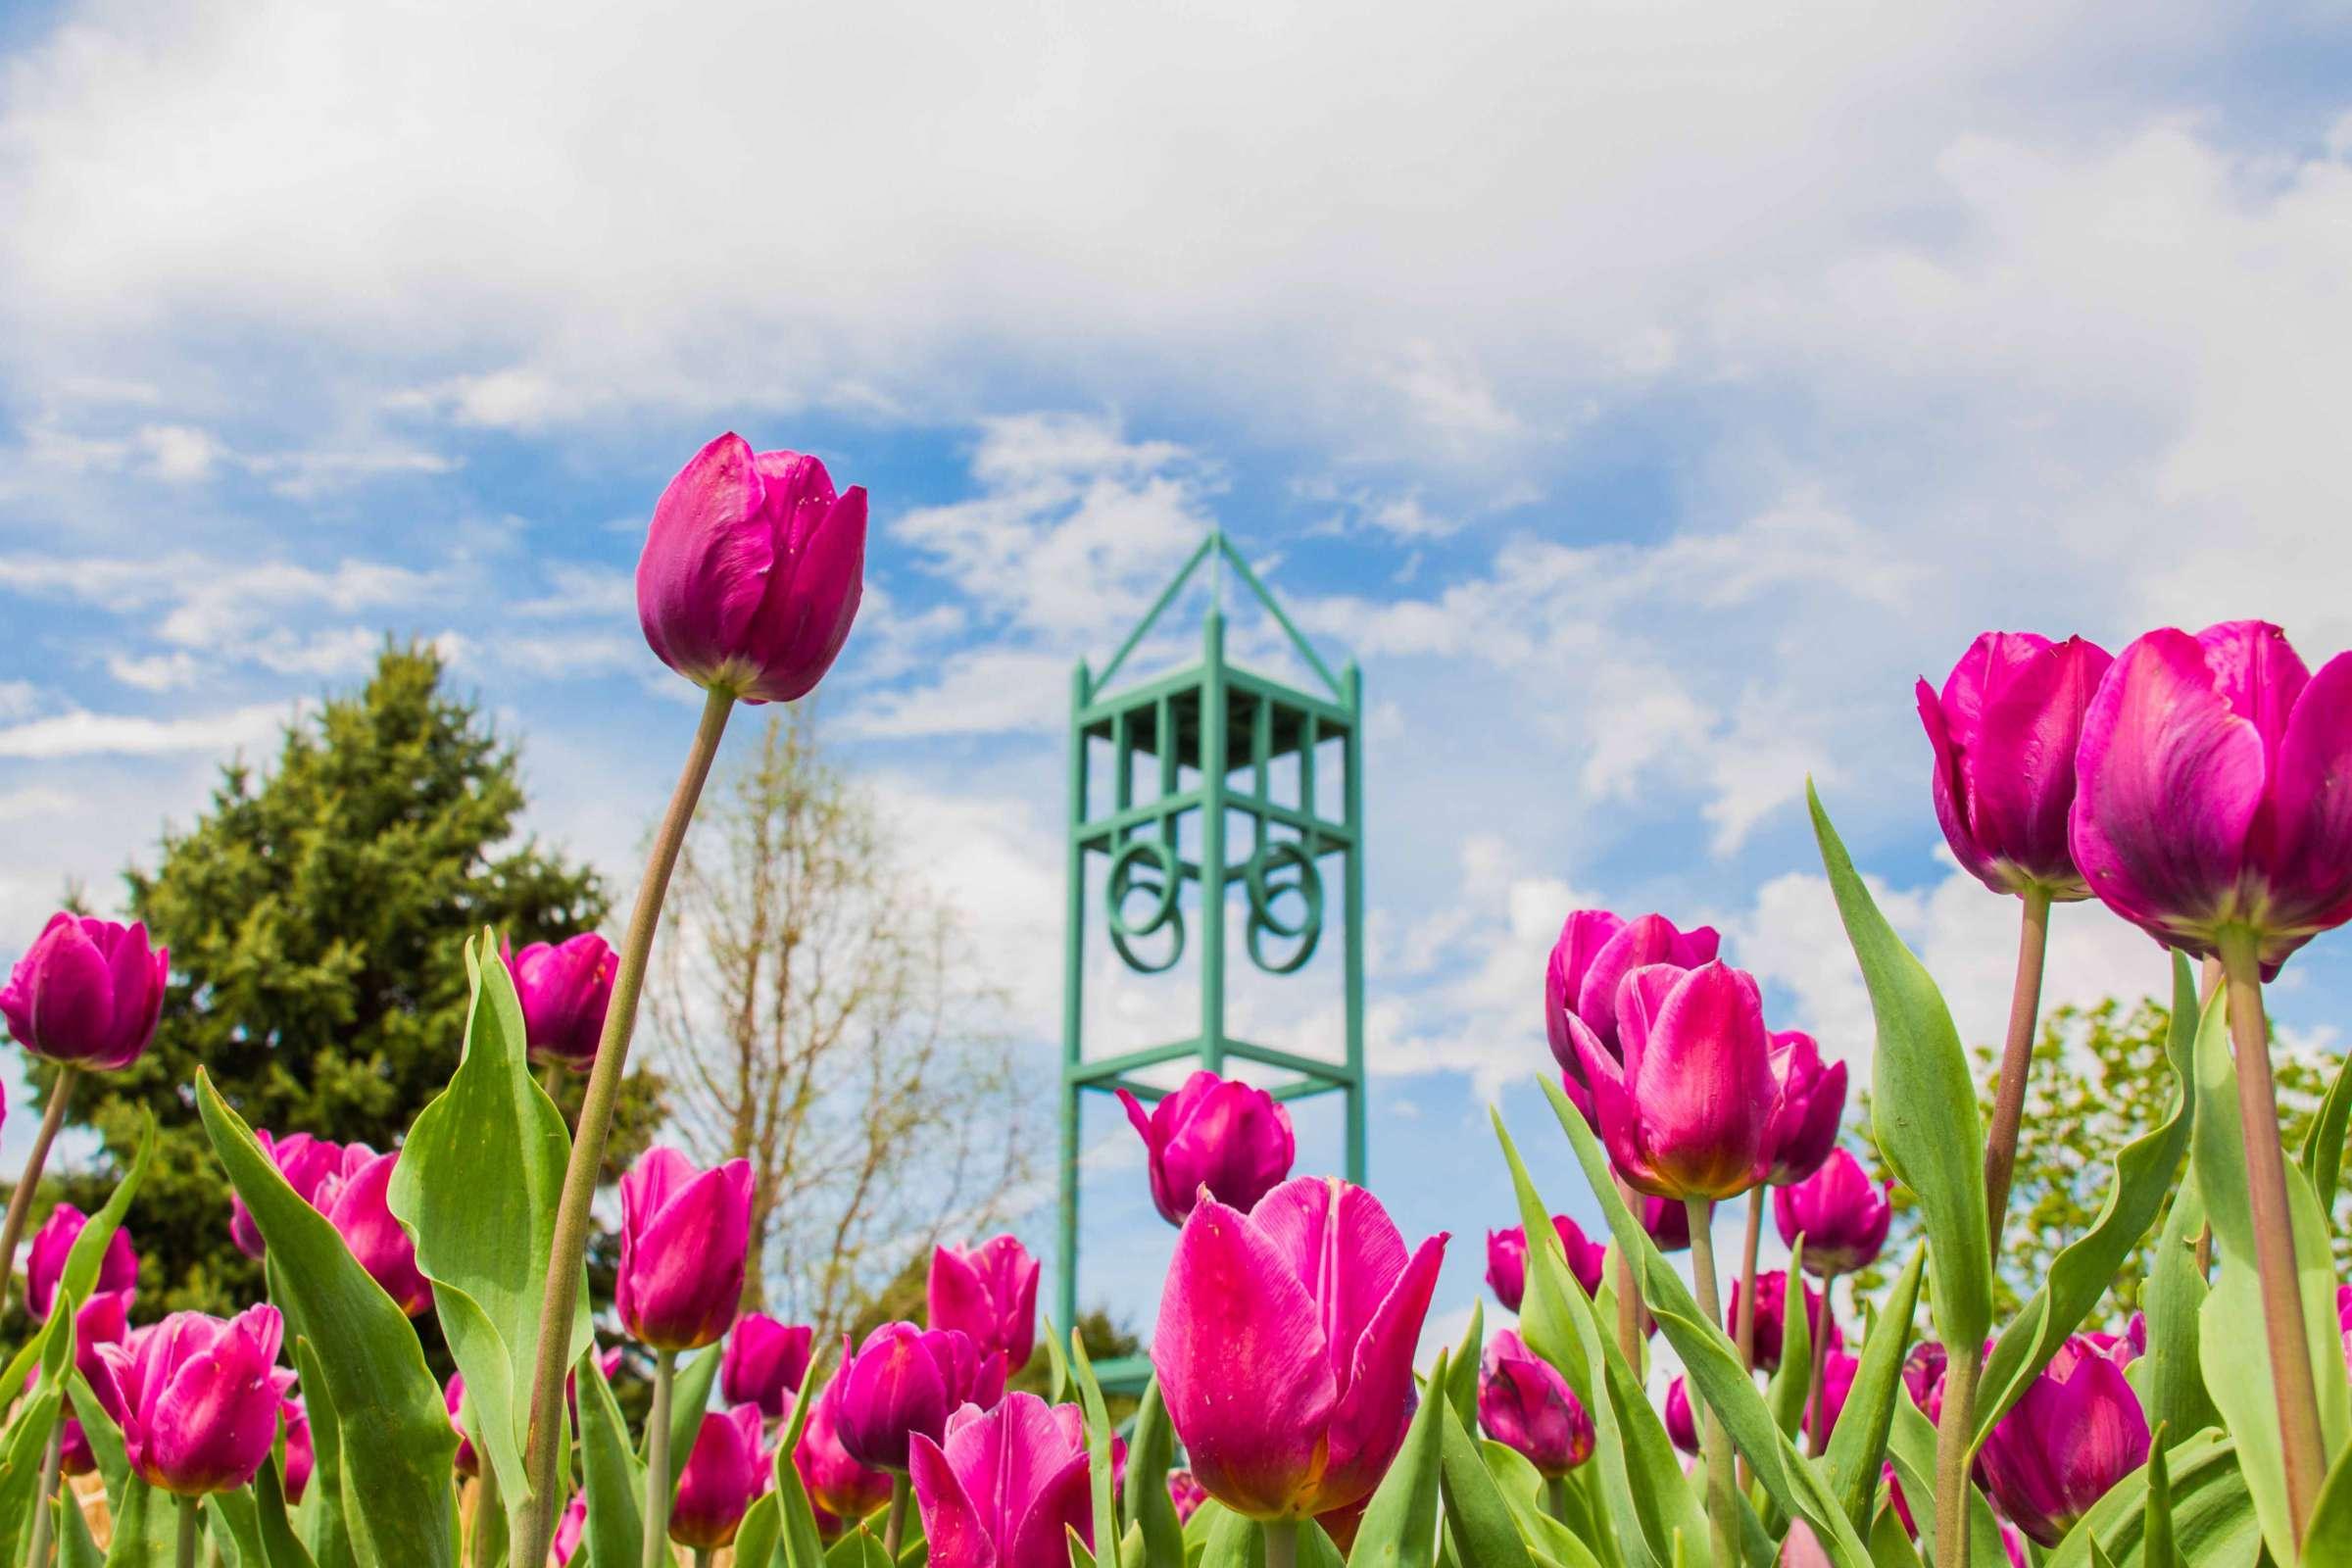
pixel 306 1163
pixel 721 1477
pixel 2211 790
pixel 840 1486
pixel 1187 1494
pixel 302 1455
pixel 356 1203
pixel 1217 1133
pixel 1524 1405
pixel 1688 1112
pixel 1317 1281
pixel 1810 1106
pixel 751 571
pixel 2075 1432
pixel 764 1362
pixel 684 1240
pixel 1593 957
pixel 1005 1489
pixel 564 989
pixel 197 1399
pixel 1841 1213
pixel 1682 1423
pixel 2004 731
pixel 1772 1303
pixel 1506 1259
pixel 903 1382
pixel 45 1260
pixel 990 1294
pixel 87 993
pixel 1922 1376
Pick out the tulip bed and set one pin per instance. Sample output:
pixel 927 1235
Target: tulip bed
pixel 2197 786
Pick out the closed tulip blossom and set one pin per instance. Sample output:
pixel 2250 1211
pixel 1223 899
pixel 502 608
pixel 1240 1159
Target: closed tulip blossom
pixel 1005 1489
pixel 306 1163
pixel 1688 1111
pixel 1524 1405
pixel 1772 1303
pixel 302 1454
pixel 990 1293
pixel 565 987
pixel 45 1260
pixel 1187 1494
pixel 1285 1343
pixel 840 1486
pixel 1593 954
pixel 764 1364
pixel 2075 1432
pixel 1841 1213
pixel 357 1205
pixel 751 571
pixel 685 1235
pixel 197 1399
pixel 2004 730
pixel 87 993
pixel 1682 1422
pixel 1506 1259
pixel 904 1382
pixel 1226 1136
pixel 1809 1110
pixel 723 1474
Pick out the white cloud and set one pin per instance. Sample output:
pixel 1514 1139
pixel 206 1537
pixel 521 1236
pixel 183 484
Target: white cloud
pixel 84 734
pixel 154 672
pixel 983 692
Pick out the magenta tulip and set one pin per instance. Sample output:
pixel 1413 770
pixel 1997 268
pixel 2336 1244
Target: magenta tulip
pixel 2213 794
pixel 568 1532
pixel 453 1397
pixel 306 1163
pixel 356 1204
pixel 1922 1376
pixel 1187 1494
pixel 1285 1343
pixel 197 1399
pixel 764 1362
pixel 1593 954
pixel 684 1240
pixel 1005 1489
pixel 1506 1259
pixel 1524 1405
pixel 721 1477
pixel 1837 1371
pixel 564 989
pixel 1841 1213
pixel 103 1319
pixel 751 571
pixel 840 1486
pixel 2075 1432
pixel 1809 1108
pixel 2004 730
pixel 1682 1422
pixel 1688 1111
pixel 45 1260
pixel 87 993
pixel 1230 1138
pixel 1667 1221
pixel 990 1294
pixel 1772 1303
pixel 904 1382
pixel 302 1454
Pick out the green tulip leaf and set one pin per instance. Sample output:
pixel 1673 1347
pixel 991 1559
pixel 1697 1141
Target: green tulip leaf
pixel 1785 1389
pixel 2212 1514
pixel 321 1517
pixel 2173 1297
pixel 280 1548
pixel 1145 1508
pixel 755 1537
pixel 1401 1520
pixel 1857 1448
pixel 1476 1511
pixel 797 1515
pixel 104 1436
pixel 615 1529
pixel 2156 1518
pixel 76 1547
pixel 1057 1366
pixel 1097 1445
pixel 146 1528
pixel 1923 1100
pixel 1523 1491
pixel 235 1526
pixel 396 1441
pixel 860 1549
pixel 21 1466
pixel 1234 1542
pixel 1890 1543
pixel 2322 1154
pixel 1461 1383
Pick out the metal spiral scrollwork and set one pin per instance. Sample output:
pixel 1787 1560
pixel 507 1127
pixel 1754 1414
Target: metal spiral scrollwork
pixel 1270 862
pixel 1147 867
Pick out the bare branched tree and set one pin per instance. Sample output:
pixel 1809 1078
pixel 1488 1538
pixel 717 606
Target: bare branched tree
pixel 821 1013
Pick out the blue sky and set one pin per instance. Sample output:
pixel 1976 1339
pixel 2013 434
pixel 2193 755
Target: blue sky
pixel 1645 395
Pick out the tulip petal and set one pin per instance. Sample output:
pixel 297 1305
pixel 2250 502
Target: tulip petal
pixel 1368 1425
pixel 708 556
pixel 2020 771
pixel 952 1527
pixel 74 1002
pixel 807 613
pixel 1065 1503
pixel 2310 865
pixel 1702 1082
pixel 1343 1247
pixel 1950 788
pixel 2258 673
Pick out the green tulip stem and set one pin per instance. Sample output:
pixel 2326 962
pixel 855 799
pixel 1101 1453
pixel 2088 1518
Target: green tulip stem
pixel 702 1557
pixel 2291 1384
pixel 1748 1278
pixel 51 1460
pixel 1555 1497
pixel 2017 1062
pixel 544 1453
pixel 189 1532
pixel 1720 1502
pixel 656 1463
pixel 1954 1430
pixel 1817 1350
pixel 893 1528
pixel 1282 1543
pixel 20 1201
pixel 485 1545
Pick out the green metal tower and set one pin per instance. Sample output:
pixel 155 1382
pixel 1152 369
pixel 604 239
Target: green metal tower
pixel 1193 761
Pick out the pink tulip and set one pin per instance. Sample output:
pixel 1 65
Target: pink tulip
pixel 764 1362
pixel 564 989
pixel 1005 1489
pixel 1284 1345
pixel 990 1294
pixel 1837 1371
pixel 306 1163
pixel 2004 731
pixel 723 1475
pixel 197 1399
pixel 2075 1432
pixel 45 1260
pixel 1215 1132
pixel 1187 1494
pixel 569 1531
pixel 1843 1214
pixel 1667 1221
pixel 685 1235
pixel 453 1396
pixel 302 1455
pixel 840 1486
pixel 1594 953
pixel 87 993
pixel 1506 1259
pixel 1772 1303
pixel 904 1383
pixel 1524 1405
pixel 357 1205
pixel 1682 1422
pixel 1688 1112
pixel 751 571
pixel 1922 1376
pixel 2213 794
pixel 1809 1108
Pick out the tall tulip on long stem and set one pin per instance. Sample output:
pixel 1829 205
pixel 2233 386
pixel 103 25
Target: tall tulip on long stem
pixel 1722 1512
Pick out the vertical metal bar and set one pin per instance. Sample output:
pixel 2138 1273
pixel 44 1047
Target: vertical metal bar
pixel 1212 841
pixel 1354 748
pixel 1073 976
pixel 1308 737
pixel 1261 742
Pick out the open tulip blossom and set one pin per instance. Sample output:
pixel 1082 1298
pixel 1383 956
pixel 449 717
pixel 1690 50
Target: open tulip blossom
pixel 1005 1489
pixel 1584 978
pixel 1226 1137
pixel 990 1294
